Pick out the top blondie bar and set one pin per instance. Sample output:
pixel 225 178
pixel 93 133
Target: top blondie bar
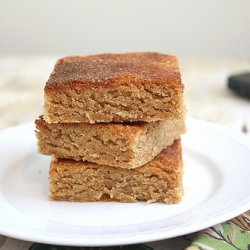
pixel 125 87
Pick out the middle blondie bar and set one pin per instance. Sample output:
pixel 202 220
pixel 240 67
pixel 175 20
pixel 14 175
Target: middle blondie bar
pixel 126 145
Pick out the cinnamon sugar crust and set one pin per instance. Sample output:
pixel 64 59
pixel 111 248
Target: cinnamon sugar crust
pixel 114 88
pixel 111 69
pixel 159 180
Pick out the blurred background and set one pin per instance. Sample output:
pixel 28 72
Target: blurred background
pixel 183 28
pixel 210 38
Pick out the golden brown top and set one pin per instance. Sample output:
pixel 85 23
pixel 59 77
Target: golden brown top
pixel 168 161
pixel 130 129
pixel 114 69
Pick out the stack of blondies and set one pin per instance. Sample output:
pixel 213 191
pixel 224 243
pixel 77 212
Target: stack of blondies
pixel 112 125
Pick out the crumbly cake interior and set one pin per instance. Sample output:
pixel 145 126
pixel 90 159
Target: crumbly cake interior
pixel 114 88
pixel 126 145
pixel 159 180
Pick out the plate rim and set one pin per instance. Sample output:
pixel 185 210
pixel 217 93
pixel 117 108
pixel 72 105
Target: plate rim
pixel 243 206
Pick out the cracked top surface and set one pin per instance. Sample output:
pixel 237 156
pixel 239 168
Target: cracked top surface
pixel 106 70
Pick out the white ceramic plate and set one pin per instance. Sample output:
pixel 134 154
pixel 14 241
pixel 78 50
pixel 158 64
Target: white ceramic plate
pixel 216 182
